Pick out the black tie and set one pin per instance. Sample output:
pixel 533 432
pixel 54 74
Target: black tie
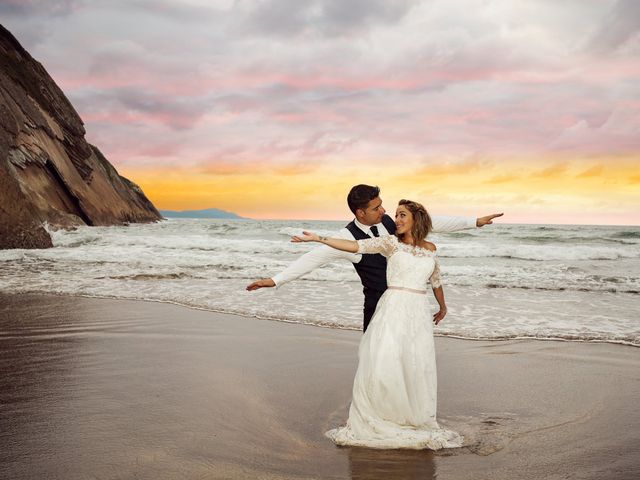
pixel 374 230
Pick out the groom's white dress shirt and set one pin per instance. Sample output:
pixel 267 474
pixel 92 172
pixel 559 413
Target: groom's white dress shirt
pixel 325 254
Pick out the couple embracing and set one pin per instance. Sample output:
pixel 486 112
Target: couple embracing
pixel 394 392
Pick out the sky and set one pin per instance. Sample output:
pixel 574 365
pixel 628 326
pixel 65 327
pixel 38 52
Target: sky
pixel 275 108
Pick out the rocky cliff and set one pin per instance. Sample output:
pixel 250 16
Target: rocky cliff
pixel 48 171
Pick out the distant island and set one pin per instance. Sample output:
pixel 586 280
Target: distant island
pixel 206 213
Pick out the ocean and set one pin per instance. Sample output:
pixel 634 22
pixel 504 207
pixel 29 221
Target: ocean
pixel 556 282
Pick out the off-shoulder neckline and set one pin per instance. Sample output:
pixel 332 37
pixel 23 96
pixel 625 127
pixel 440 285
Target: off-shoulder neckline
pixel 414 246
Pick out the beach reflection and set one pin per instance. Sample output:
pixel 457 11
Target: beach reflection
pixel 372 464
pixel 40 352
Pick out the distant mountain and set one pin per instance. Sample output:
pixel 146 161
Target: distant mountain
pixel 206 213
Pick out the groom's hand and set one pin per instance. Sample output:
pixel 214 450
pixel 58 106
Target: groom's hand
pixel 265 282
pixel 487 220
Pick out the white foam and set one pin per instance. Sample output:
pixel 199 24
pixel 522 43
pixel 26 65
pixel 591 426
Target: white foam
pixel 497 286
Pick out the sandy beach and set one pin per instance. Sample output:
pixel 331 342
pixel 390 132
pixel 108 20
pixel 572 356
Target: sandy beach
pixel 110 389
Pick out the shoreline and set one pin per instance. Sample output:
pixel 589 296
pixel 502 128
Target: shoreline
pixel 110 388
pixel 319 325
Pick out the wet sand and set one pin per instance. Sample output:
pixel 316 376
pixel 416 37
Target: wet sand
pixel 111 389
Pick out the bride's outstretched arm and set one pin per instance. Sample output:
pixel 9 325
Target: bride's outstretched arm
pixel 337 243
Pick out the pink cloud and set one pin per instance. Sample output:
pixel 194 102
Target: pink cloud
pixel 620 133
pixel 446 80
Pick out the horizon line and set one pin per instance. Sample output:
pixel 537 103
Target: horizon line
pixel 343 220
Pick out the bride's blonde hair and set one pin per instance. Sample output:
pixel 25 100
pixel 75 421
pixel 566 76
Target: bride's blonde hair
pixel 421 221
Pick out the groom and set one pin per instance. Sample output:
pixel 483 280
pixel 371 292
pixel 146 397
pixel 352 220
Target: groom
pixel 370 221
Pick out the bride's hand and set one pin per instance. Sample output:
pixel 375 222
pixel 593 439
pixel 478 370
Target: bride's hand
pixel 440 315
pixel 305 237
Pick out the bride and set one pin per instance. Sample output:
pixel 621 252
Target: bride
pixel 394 391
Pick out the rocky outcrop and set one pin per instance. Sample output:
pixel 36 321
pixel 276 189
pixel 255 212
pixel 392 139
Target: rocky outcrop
pixel 48 171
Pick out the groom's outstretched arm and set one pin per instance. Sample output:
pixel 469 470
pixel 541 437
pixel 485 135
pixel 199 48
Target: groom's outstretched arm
pixel 308 262
pixel 443 224
pixel 315 259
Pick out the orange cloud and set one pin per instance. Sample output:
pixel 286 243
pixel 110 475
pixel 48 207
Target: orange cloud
pixel 591 172
pixel 501 179
pixel 552 171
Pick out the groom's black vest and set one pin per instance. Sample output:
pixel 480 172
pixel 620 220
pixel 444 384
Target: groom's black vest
pixel 372 269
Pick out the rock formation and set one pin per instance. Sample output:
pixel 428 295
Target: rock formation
pixel 48 171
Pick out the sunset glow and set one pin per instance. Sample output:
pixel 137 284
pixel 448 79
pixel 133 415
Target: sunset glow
pixel 274 109
pixel 599 191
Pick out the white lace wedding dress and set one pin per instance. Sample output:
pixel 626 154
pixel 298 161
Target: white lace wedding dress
pixel 394 391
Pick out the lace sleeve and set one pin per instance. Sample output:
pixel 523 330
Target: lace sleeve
pixel 384 245
pixel 434 279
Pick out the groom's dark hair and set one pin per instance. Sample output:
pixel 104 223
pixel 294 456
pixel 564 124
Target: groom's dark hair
pixel 360 196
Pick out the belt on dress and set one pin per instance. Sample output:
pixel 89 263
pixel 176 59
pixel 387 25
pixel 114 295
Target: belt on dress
pixel 391 287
